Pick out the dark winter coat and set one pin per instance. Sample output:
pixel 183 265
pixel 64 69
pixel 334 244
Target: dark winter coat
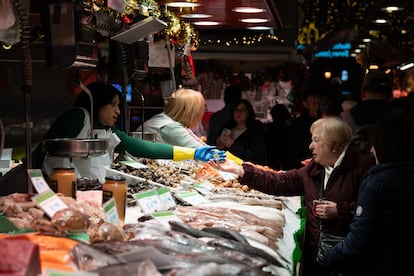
pixel 379 241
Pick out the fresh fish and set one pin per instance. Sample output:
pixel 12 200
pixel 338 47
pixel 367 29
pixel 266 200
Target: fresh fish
pixel 145 267
pixel 185 228
pixel 88 258
pixel 226 233
pixel 245 248
pixel 270 251
pixel 197 252
pixel 213 269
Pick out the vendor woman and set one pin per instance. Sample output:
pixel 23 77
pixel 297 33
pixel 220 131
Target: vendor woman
pixel 75 123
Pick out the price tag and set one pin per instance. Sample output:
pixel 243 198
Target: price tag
pixel 111 213
pixel 49 202
pixel 38 181
pixel 165 217
pixel 149 201
pixel 166 198
pixel 192 198
pixel 134 164
pixel 227 176
pixel 204 187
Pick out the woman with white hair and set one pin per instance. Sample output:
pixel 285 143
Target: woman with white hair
pixel 329 184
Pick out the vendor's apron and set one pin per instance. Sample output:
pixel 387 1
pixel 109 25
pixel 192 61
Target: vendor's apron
pixel 93 167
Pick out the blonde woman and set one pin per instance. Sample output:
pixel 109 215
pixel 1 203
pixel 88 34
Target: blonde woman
pixel 183 112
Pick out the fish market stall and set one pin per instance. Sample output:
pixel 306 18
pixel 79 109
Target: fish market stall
pixel 181 217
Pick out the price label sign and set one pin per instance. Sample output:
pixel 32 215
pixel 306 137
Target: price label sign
pixel 111 213
pixel 204 187
pixel 38 181
pixel 166 198
pixel 49 202
pixel 165 217
pixel 227 176
pixel 149 201
pixel 192 198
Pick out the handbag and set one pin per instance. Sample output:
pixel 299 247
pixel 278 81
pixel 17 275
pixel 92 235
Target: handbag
pixel 326 242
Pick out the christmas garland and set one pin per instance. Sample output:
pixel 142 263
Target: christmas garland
pixel 180 33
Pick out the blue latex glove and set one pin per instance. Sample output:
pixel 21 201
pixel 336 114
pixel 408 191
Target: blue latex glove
pixel 207 153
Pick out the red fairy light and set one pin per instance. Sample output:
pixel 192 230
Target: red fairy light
pixel 126 19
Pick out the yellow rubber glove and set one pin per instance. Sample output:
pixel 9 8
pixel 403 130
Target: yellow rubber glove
pixel 183 153
pixel 203 153
pixel 234 158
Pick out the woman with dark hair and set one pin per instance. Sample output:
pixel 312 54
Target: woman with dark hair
pixel 379 233
pixel 243 136
pixel 75 123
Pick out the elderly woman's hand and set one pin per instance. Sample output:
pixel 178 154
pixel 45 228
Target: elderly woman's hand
pixel 228 166
pixel 325 209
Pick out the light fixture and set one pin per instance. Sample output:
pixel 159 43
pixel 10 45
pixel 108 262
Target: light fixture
pixel 253 20
pixel 406 66
pixel 392 9
pixel 247 10
pixel 182 5
pixel 259 28
pixel 206 23
pixel 196 16
pixel 327 74
pixel 381 21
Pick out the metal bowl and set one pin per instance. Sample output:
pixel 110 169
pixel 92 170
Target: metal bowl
pixel 76 147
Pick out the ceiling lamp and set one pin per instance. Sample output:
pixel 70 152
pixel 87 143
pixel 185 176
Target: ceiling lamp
pixel 260 28
pixel 392 7
pixel 406 66
pixel 247 10
pixel 182 5
pixel 381 21
pixel 253 20
pixel 196 16
pixel 206 23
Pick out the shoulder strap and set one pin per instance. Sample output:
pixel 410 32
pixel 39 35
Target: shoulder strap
pixel 86 130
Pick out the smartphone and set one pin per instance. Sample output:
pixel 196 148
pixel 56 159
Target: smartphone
pixel 226 131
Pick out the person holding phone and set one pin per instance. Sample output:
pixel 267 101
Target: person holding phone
pixel 243 136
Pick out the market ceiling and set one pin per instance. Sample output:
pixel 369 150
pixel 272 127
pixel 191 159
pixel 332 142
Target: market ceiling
pixel 320 24
pixel 316 24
